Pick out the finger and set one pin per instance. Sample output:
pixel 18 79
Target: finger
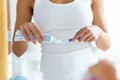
pixel 88 38
pixel 76 36
pixel 35 33
pixel 30 33
pixel 38 31
pixel 91 40
pixel 80 33
pixel 24 33
pixel 82 38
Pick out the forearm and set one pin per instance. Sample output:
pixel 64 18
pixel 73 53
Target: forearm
pixel 23 15
pixel 103 42
pixel 19 47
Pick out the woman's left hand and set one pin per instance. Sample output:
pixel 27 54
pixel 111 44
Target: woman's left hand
pixel 88 34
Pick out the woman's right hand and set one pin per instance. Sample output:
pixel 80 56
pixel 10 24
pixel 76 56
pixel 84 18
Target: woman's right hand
pixel 31 30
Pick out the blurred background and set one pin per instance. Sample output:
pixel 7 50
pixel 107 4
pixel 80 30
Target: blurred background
pixel 33 54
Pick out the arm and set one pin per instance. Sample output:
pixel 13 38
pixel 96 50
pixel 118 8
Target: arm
pixel 97 31
pixel 103 42
pixel 24 14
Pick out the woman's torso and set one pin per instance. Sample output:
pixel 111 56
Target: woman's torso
pixel 62 21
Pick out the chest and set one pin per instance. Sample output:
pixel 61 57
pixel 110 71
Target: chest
pixel 77 13
pixel 75 9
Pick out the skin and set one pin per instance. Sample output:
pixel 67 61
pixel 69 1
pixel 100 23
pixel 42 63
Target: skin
pixel 96 32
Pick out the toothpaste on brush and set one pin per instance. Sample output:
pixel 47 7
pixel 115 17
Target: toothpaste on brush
pixel 47 38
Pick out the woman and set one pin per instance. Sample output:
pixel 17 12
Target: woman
pixel 81 20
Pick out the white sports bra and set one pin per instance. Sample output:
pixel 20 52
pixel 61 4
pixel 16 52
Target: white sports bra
pixel 63 21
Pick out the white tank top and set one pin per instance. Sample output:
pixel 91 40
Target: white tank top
pixel 63 21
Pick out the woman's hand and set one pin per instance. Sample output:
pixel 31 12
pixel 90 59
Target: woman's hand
pixel 88 34
pixel 31 30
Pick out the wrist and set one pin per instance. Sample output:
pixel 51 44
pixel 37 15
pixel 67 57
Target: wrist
pixel 98 31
